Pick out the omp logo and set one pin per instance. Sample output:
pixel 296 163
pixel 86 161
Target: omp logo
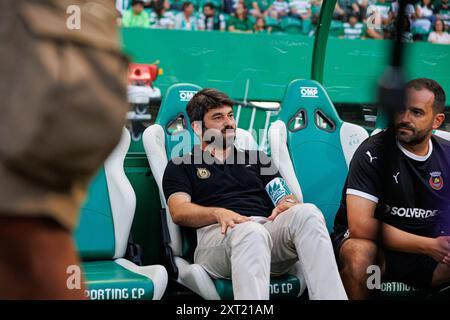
pixel 309 92
pixel 186 95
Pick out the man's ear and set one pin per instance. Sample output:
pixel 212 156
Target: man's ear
pixel 197 127
pixel 438 120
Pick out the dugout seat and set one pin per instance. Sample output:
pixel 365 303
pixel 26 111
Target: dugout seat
pixel 103 232
pixel 172 136
pixel 309 140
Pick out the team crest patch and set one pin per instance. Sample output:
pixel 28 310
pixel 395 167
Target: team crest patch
pixel 203 173
pixel 436 180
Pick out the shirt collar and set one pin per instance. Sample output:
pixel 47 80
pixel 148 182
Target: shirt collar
pixel 413 156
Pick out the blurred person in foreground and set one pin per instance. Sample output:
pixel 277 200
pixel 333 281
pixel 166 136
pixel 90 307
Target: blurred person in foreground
pixel 62 83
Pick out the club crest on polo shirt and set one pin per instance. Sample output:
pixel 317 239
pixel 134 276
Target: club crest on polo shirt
pixel 203 173
pixel 436 181
pixel 277 189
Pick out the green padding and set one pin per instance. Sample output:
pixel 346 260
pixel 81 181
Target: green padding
pixel 283 287
pixel 174 105
pixel 106 280
pixel 316 154
pixel 95 233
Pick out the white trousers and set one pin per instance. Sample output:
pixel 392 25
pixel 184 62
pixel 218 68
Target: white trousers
pixel 251 251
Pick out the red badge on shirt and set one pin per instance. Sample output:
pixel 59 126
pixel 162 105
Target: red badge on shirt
pixel 436 180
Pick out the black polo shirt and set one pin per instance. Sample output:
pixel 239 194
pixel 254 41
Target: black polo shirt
pixel 238 184
pixel 412 192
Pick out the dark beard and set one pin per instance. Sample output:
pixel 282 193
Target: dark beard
pixel 412 140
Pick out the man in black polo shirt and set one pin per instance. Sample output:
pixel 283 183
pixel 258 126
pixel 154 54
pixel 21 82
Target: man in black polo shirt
pixel 395 207
pixel 221 192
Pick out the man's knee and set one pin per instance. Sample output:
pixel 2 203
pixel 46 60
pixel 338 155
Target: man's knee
pixel 355 256
pixel 253 232
pixel 308 212
pixel 441 275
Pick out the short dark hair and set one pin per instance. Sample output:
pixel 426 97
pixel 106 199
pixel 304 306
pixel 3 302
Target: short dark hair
pixel 209 5
pixel 135 2
pixel 353 15
pixel 205 100
pixel 434 87
pixel 185 5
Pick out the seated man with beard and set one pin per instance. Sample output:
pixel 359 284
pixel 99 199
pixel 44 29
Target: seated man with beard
pixel 246 222
pixel 395 207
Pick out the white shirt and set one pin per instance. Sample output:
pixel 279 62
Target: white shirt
pixel 443 38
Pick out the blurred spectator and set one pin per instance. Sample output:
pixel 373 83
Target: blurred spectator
pixel 410 11
pixel 379 21
pixel 363 5
pixel 185 20
pixel 391 30
pixel 353 29
pixel 210 19
pixel 381 10
pixel 218 4
pixel 439 35
pixel 260 26
pixel 302 9
pixel 424 16
pixel 315 10
pixel 442 12
pixel 373 24
pixel 161 18
pixel 240 22
pixel 136 16
pixel 344 8
pixel 278 9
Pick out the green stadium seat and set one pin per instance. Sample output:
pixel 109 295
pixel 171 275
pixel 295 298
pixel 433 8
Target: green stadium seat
pixel 291 25
pixel 336 28
pixel 103 232
pixel 170 136
pixel 310 139
pixel 274 23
